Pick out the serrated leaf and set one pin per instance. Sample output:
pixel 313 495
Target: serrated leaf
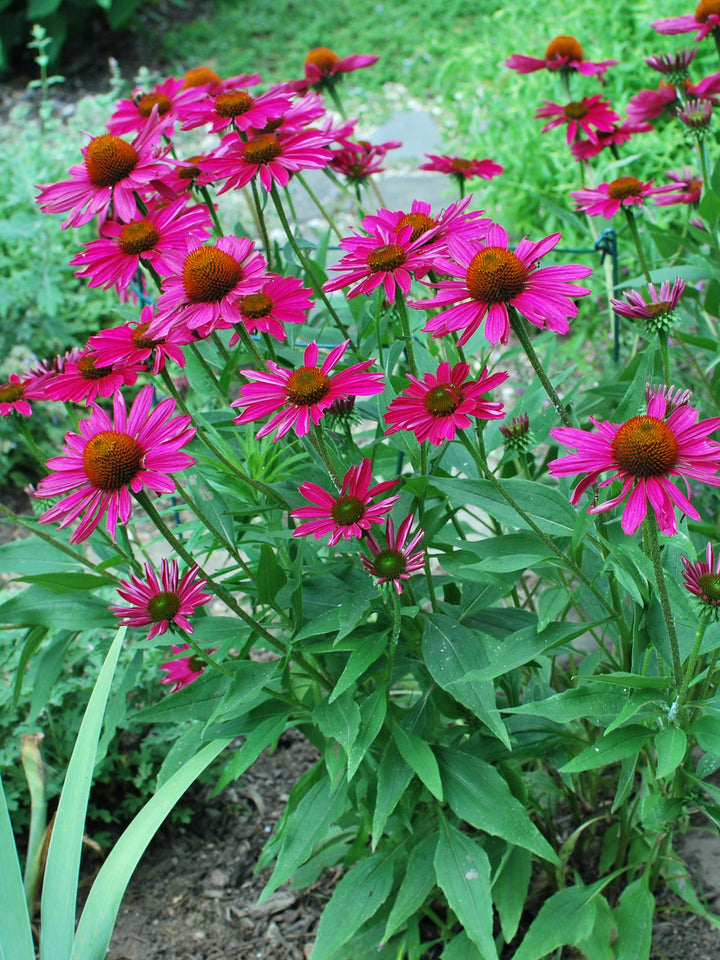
pixel 621 743
pixel 671 745
pixel 418 754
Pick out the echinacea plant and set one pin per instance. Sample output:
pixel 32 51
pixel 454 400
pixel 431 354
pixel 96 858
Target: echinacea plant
pixel 409 503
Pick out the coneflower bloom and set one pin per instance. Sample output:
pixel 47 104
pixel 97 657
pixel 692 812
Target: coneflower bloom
pixel 213 83
pixel 462 168
pixel 490 277
pixel 236 108
pixel 644 454
pixel 158 603
pixel 705 20
pixel 348 514
pixel 305 111
pixel 675 65
pixel 659 305
pixel 443 402
pixel 161 238
pixel 204 295
pixel 358 161
pixel 46 370
pixel 111 456
pixel 299 397
pixel 181 671
pixel 395 561
pixel 271 158
pixel 621 133
pixel 589 115
pixel 673 396
pixel 702 579
pixel 86 379
pixel 687 187
pixel 130 344
pixel 606 199
pixel 111 172
pixel 563 53
pixel 279 300
pixel 696 114
pixel 323 68
pixel 386 257
pixel 453 221
pixel 648 104
pixel 14 395
pixel 170 97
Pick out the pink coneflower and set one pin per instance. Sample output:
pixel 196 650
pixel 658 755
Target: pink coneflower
pixel 302 113
pixel 211 82
pixel 181 671
pixel 204 296
pixel 453 221
pixel 130 343
pixel 644 454
pixel 396 561
pixel 443 402
pixel 606 199
pixel 675 65
pixel 47 370
pixel 705 20
pixel 348 514
pixel 637 308
pixel 85 379
pixel 170 97
pixel 358 161
pixel 323 68
pixel 279 300
pixel 236 108
pixel 672 395
pixel 109 457
pixel 696 114
pixel 14 395
pixel 159 603
pixel 621 133
pixel 299 397
pixel 648 104
pixel 462 168
pixel 591 114
pixel 386 257
pixel 111 172
pixel 160 238
pixel 702 579
pixel 491 277
pixel 563 53
pixel 269 157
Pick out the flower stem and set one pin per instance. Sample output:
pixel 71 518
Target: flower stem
pixel 318 441
pixel 249 345
pixel 407 336
pixel 261 222
pixel 690 669
pixel 653 545
pixel 205 194
pixel 206 366
pixel 630 216
pixel 205 657
pixel 299 177
pixel 518 327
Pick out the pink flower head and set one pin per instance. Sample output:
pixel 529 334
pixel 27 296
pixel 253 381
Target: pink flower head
pixel 443 402
pixel 591 114
pixel 637 308
pixel 279 300
pixel 159 603
pixel 606 199
pixel 323 68
pixel 461 168
pixel 86 379
pixel 672 395
pixel 620 133
pixel 111 172
pixel 452 221
pixel 130 344
pixel 211 82
pixel 358 161
pixel 271 158
pixel 45 371
pixel 702 579
pixel 347 514
pixel 644 454
pixel 387 258
pixel 109 457
pixel 170 97
pixel 181 671
pixel 705 20
pixel 298 397
pixel 14 395
pixel 160 238
pixel 563 53
pixel 396 561
pixel 648 104
pixel 696 114
pixel 236 108
pixel 675 65
pixel 490 277
pixel 204 296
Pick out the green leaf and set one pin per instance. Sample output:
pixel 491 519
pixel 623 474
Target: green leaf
pixel 339 720
pixel 634 680
pixel 671 745
pixel 509 553
pixel 634 918
pixel 706 730
pixel 98 917
pixel 393 777
pixel 631 402
pixel 566 918
pixel 70 582
pixel 198 700
pixel 360 893
pixel 621 743
pixel 588 701
pixel 249 677
pixel 476 792
pixel 418 754
pixel 510 888
pixel 43 607
pixel 33 638
pixel 461 947
pixel 16 941
pixel 418 881
pixel 463 873
pixel 372 717
pixel 265 733
pixel 451 651
pixel 365 654
pixel 270 575
pixel 59 894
